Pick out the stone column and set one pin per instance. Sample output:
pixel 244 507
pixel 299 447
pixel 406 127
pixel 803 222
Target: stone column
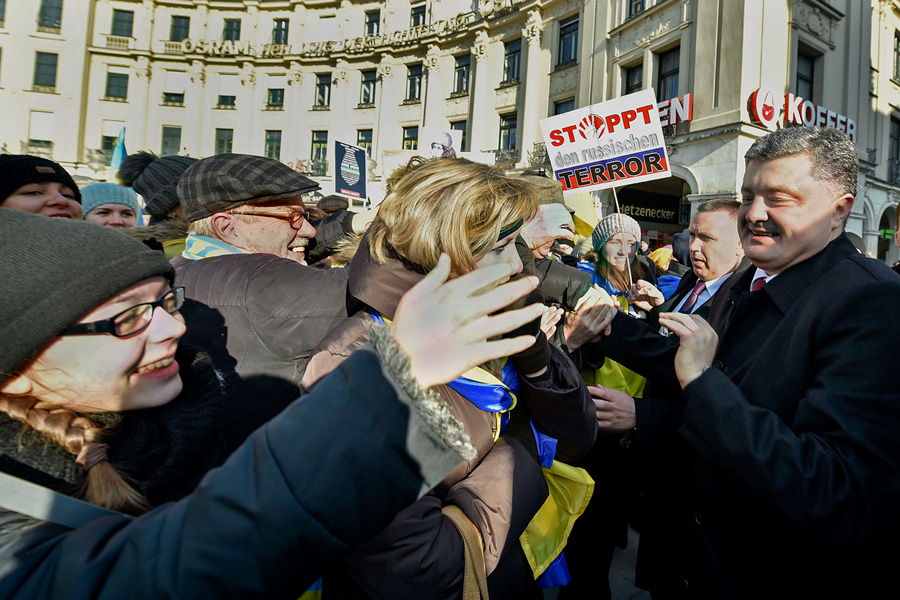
pixel 196 112
pixel 432 112
pixel 342 103
pixel 247 130
pixel 482 97
pixel 529 121
pixel 386 110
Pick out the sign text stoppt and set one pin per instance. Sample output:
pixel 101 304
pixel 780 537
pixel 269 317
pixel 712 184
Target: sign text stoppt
pixel 618 142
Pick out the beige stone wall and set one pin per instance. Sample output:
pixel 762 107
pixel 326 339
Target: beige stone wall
pixel 729 48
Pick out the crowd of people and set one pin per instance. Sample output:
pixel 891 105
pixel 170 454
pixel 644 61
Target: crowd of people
pixel 447 396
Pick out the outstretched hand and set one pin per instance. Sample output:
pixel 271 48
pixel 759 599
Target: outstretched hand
pixel 697 345
pixel 549 320
pixel 591 318
pixel 645 295
pixel 551 222
pixel 615 409
pixel 446 327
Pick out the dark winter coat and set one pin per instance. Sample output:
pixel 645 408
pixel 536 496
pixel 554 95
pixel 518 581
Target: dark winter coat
pixel 259 317
pixel 796 476
pixel 797 471
pixel 420 554
pixel 316 481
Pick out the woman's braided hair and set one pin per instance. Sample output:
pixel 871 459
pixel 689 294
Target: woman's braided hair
pixel 102 485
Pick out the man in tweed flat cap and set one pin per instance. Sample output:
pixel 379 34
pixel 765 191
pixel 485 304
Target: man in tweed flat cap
pixel 252 304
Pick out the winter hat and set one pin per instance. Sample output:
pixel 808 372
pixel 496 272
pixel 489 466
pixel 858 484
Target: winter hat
pixel 54 271
pixel 226 181
pixel 583 247
pixel 610 226
pixel 96 194
pixel 333 204
pixel 155 179
pixel 17 170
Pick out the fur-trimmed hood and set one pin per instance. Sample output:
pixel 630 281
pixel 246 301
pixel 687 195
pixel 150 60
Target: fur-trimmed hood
pixel 170 229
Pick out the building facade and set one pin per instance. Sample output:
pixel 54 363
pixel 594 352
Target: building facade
pixel 749 68
pixel 291 78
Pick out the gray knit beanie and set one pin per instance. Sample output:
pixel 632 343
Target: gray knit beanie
pixel 55 271
pixel 154 178
pixel 96 194
pixel 610 225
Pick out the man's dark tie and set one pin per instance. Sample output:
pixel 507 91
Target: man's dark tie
pixel 692 299
pixel 758 284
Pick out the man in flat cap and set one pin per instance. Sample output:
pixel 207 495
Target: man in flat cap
pixel 252 304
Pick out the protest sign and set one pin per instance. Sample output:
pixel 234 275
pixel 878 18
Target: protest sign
pixel 437 143
pixel 610 144
pixel 349 170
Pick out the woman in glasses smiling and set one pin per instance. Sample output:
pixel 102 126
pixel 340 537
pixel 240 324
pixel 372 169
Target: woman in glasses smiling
pixel 94 405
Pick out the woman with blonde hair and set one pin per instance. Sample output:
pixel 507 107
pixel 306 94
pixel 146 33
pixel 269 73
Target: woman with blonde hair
pixel 96 406
pixel 473 213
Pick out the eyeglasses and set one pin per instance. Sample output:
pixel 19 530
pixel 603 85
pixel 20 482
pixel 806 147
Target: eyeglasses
pixel 296 216
pixel 133 320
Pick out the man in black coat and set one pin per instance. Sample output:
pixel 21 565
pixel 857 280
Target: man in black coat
pixel 793 408
pixel 715 252
pixel 659 462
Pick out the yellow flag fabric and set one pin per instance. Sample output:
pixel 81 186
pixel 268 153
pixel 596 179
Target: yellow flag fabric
pixel 314 592
pixel 582 227
pixel 615 376
pixel 548 532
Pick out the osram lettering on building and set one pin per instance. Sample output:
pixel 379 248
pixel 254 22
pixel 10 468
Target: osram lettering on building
pixel 614 143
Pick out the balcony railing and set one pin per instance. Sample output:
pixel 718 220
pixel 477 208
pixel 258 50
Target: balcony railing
pixel 506 156
pixel 319 168
pixel 538 157
pixel 170 47
pixel 42 148
pixel 118 42
pixel 894 170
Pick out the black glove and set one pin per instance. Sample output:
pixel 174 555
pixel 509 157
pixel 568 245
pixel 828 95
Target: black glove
pixel 537 356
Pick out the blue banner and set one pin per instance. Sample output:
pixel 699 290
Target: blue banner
pixel 350 171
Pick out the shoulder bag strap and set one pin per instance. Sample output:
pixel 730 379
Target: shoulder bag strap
pixel 475 580
pixel 42 503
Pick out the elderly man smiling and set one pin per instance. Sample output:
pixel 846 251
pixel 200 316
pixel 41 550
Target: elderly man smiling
pixel 252 304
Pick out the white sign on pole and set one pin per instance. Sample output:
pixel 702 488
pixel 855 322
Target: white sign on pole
pixel 610 144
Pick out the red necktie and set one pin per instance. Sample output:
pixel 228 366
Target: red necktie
pixel 692 299
pixel 758 284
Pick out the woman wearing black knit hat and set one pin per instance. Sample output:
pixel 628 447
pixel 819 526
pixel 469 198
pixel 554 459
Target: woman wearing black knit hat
pixel 94 405
pixel 155 178
pixel 36 185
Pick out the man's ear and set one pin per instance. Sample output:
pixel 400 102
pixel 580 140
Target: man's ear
pixel 224 226
pixel 842 207
pixel 17 385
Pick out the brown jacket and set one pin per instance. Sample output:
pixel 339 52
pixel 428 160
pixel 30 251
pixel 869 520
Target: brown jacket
pixel 420 555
